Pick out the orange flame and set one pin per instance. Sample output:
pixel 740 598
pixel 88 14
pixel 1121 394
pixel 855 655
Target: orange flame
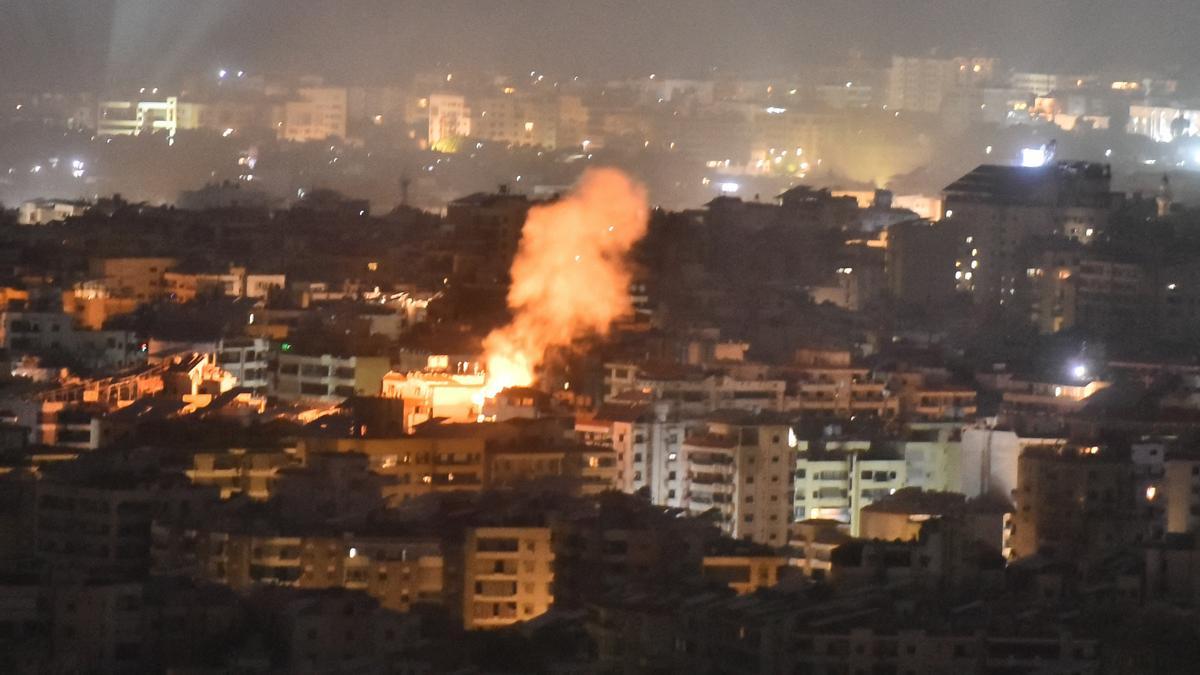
pixel 570 278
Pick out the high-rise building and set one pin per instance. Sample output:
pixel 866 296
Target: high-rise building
pixel 994 211
pixel 507 576
pixel 316 114
pixel 449 121
pixel 740 468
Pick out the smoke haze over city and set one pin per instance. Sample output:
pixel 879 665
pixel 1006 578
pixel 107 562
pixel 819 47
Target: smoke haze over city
pixel 610 337
pixel 84 41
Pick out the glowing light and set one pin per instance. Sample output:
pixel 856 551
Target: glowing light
pixel 1034 157
pixel 555 299
pixel 222 73
pixel 1079 371
pixel 730 188
pixel 1151 493
pixel 353 552
pixel 774 110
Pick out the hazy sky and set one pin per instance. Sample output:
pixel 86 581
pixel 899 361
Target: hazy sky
pixel 78 42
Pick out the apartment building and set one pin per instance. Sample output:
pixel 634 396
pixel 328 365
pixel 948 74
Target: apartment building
pixel 739 467
pixel 328 377
pixel 507 576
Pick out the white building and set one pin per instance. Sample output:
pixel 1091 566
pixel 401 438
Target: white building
pixel 933 456
pixel 648 442
pixel 247 359
pixel 23 332
pixel 133 118
pixel 836 482
pixel 693 391
pixel 317 114
pixel 449 120
pixel 327 377
pixel 46 211
pixel 989 460
pixel 740 468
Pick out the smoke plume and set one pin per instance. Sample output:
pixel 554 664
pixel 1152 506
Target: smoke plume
pixel 570 277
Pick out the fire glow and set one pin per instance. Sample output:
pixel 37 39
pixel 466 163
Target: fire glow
pixel 570 277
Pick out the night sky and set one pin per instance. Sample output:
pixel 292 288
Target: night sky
pixel 83 42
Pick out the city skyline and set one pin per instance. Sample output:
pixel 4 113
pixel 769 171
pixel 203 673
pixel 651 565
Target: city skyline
pixel 95 44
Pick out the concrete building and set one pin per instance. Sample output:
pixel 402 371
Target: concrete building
pixel 693 391
pixel 1076 289
pixel 1181 492
pixel 239 471
pixel 989 459
pixel 136 117
pixel 449 122
pixel 647 440
pixel 932 455
pixel 317 114
pixel 138 278
pixel 517 120
pixel 248 360
pixel 921 84
pixel 740 469
pixel 328 377
pixel 507 576
pixel 49 332
pixel 397 571
pixel 46 211
pixel 995 210
pixel 837 480
pixel 1074 504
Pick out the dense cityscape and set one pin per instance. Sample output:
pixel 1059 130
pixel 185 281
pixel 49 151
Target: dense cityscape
pixel 880 363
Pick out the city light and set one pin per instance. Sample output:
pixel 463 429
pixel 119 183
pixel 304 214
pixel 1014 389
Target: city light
pixel 730 187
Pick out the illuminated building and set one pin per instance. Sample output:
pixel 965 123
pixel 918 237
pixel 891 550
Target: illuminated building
pixel 994 210
pixel 925 84
pixel 1163 123
pixel 46 211
pixel 932 456
pixel 693 391
pixel 836 480
pixel 45 331
pixel 842 391
pixel 248 360
pixel 92 306
pixel 399 571
pixel 455 397
pixel 327 377
pixel 646 440
pixel 138 278
pixel 222 115
pixel 239 471
pixel 449 122
pixel 317 114
pixel 1180 492
pixel 507 576
pixel 741 468
pixel 133 118
pixel 1074 288
pixel 745 573
pixel 516 119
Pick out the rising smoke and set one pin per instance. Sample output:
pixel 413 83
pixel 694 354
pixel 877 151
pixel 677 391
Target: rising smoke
pixel 570 278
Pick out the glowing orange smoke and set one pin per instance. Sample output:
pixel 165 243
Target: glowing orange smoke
pixel 570 278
